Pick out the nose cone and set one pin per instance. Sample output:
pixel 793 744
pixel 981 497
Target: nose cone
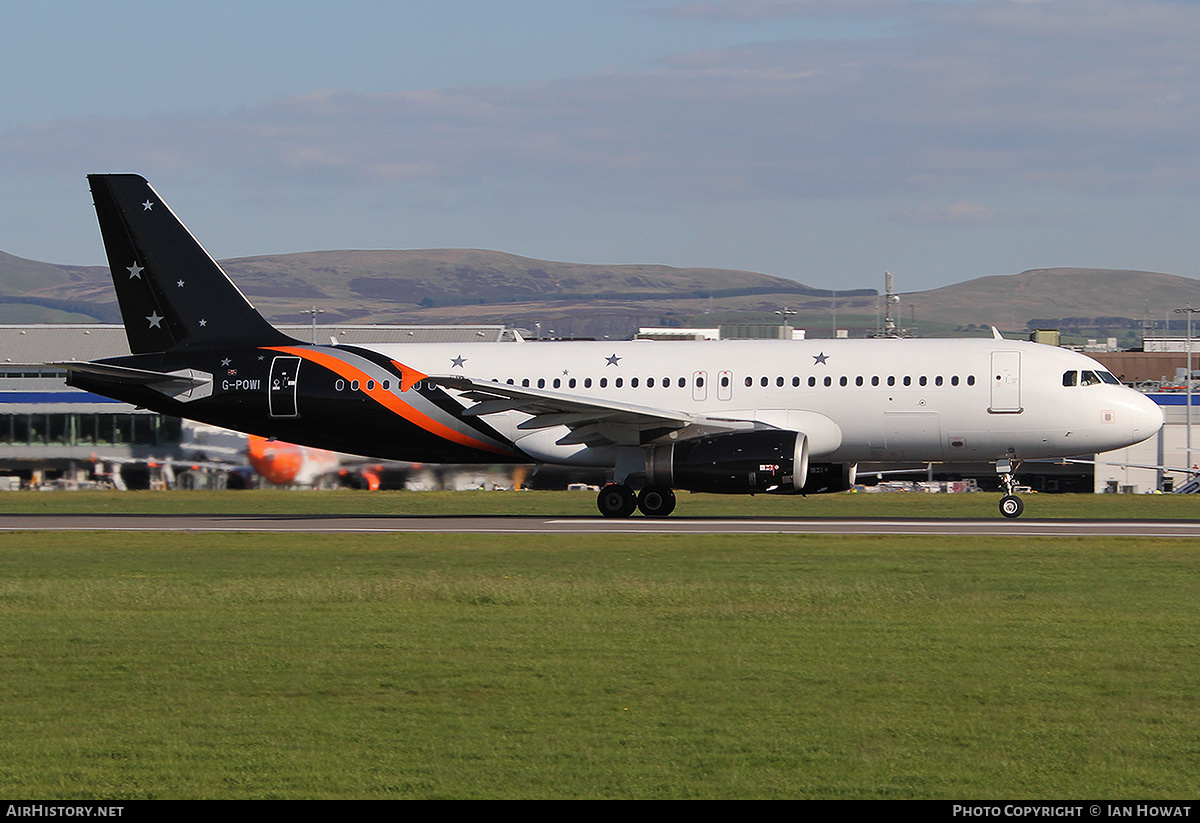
pixel 1146 417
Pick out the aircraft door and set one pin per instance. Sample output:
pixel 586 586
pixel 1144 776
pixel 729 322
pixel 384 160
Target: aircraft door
pixel 281 389
pixel 700 385
pixel 1006 382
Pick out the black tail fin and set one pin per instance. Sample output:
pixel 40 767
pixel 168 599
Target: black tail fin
pixel 171 292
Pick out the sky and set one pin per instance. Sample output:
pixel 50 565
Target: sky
pixel 821 140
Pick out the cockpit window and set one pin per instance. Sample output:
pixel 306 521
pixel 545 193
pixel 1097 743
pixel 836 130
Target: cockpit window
pixel 1070 378
pixel 1088 378
pixel 1108 378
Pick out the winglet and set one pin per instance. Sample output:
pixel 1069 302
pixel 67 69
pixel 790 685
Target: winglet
pixel 996 335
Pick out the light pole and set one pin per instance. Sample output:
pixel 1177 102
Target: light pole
pixel 785 314
pixel 314 311
pixel 1189 311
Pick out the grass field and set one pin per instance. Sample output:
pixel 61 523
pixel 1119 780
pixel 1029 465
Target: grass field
pixel 583 503
pixel 424 665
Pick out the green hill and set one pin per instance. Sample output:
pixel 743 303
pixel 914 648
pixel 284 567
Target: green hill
pixel 445 286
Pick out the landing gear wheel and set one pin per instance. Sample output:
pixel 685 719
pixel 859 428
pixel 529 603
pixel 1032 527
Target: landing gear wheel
pixel 1011 506
pixel 616 500
pixel 656 501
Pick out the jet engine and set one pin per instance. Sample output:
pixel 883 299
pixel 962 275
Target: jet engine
pixel 824 478
pixel 736 463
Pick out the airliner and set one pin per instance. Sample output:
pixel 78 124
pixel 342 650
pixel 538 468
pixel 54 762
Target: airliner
pixel 736 417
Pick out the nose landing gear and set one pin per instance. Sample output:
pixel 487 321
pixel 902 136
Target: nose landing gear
pixel 1010 505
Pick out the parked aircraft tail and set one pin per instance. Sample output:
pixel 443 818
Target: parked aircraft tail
pixel 172 294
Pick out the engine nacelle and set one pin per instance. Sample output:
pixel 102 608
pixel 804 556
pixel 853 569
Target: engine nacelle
pixel 825 478
pixel 737 463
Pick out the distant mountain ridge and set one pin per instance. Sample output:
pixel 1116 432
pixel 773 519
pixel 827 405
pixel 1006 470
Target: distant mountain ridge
pixel 572 299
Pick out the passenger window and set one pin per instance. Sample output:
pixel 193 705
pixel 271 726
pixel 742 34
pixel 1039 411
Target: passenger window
pixel 795 382
pixel 604 382
pixel 587 382
pixel 633 382
pixel 619 382
pixel 763 381
pixel 778 381
pixel 812 381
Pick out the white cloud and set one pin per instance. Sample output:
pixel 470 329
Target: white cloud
pixel 1090 96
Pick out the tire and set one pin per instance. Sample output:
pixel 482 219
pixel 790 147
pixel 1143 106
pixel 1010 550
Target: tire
pixel 616 500
pixel 1011 506
pixel 656 501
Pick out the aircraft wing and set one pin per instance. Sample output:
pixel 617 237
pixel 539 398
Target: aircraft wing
pixel 591 421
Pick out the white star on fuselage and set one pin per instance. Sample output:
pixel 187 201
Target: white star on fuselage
pixel 155 320
pixel 135 271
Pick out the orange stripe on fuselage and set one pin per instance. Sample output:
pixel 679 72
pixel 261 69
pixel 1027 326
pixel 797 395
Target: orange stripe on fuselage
pixel 387 399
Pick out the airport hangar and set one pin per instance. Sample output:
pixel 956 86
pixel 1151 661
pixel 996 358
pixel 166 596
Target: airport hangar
pixel 52 435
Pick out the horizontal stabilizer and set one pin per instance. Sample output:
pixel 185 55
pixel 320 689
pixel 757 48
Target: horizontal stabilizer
pixel 184 384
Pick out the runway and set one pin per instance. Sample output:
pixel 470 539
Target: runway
pixel 344 524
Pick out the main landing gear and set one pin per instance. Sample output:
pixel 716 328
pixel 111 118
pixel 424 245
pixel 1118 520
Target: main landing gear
pixel 1010 505
pixel 618 500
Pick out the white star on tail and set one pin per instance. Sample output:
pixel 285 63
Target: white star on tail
pixel 155 320
pixel 135 271
pixel 147 206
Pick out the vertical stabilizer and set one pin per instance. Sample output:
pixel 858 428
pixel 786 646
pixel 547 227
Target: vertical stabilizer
pixel 171 292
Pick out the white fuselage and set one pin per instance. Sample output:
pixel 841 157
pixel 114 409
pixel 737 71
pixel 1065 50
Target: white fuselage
pixel 857 400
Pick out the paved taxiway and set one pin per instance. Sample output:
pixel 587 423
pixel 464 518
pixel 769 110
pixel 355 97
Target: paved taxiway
pixel 596 525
